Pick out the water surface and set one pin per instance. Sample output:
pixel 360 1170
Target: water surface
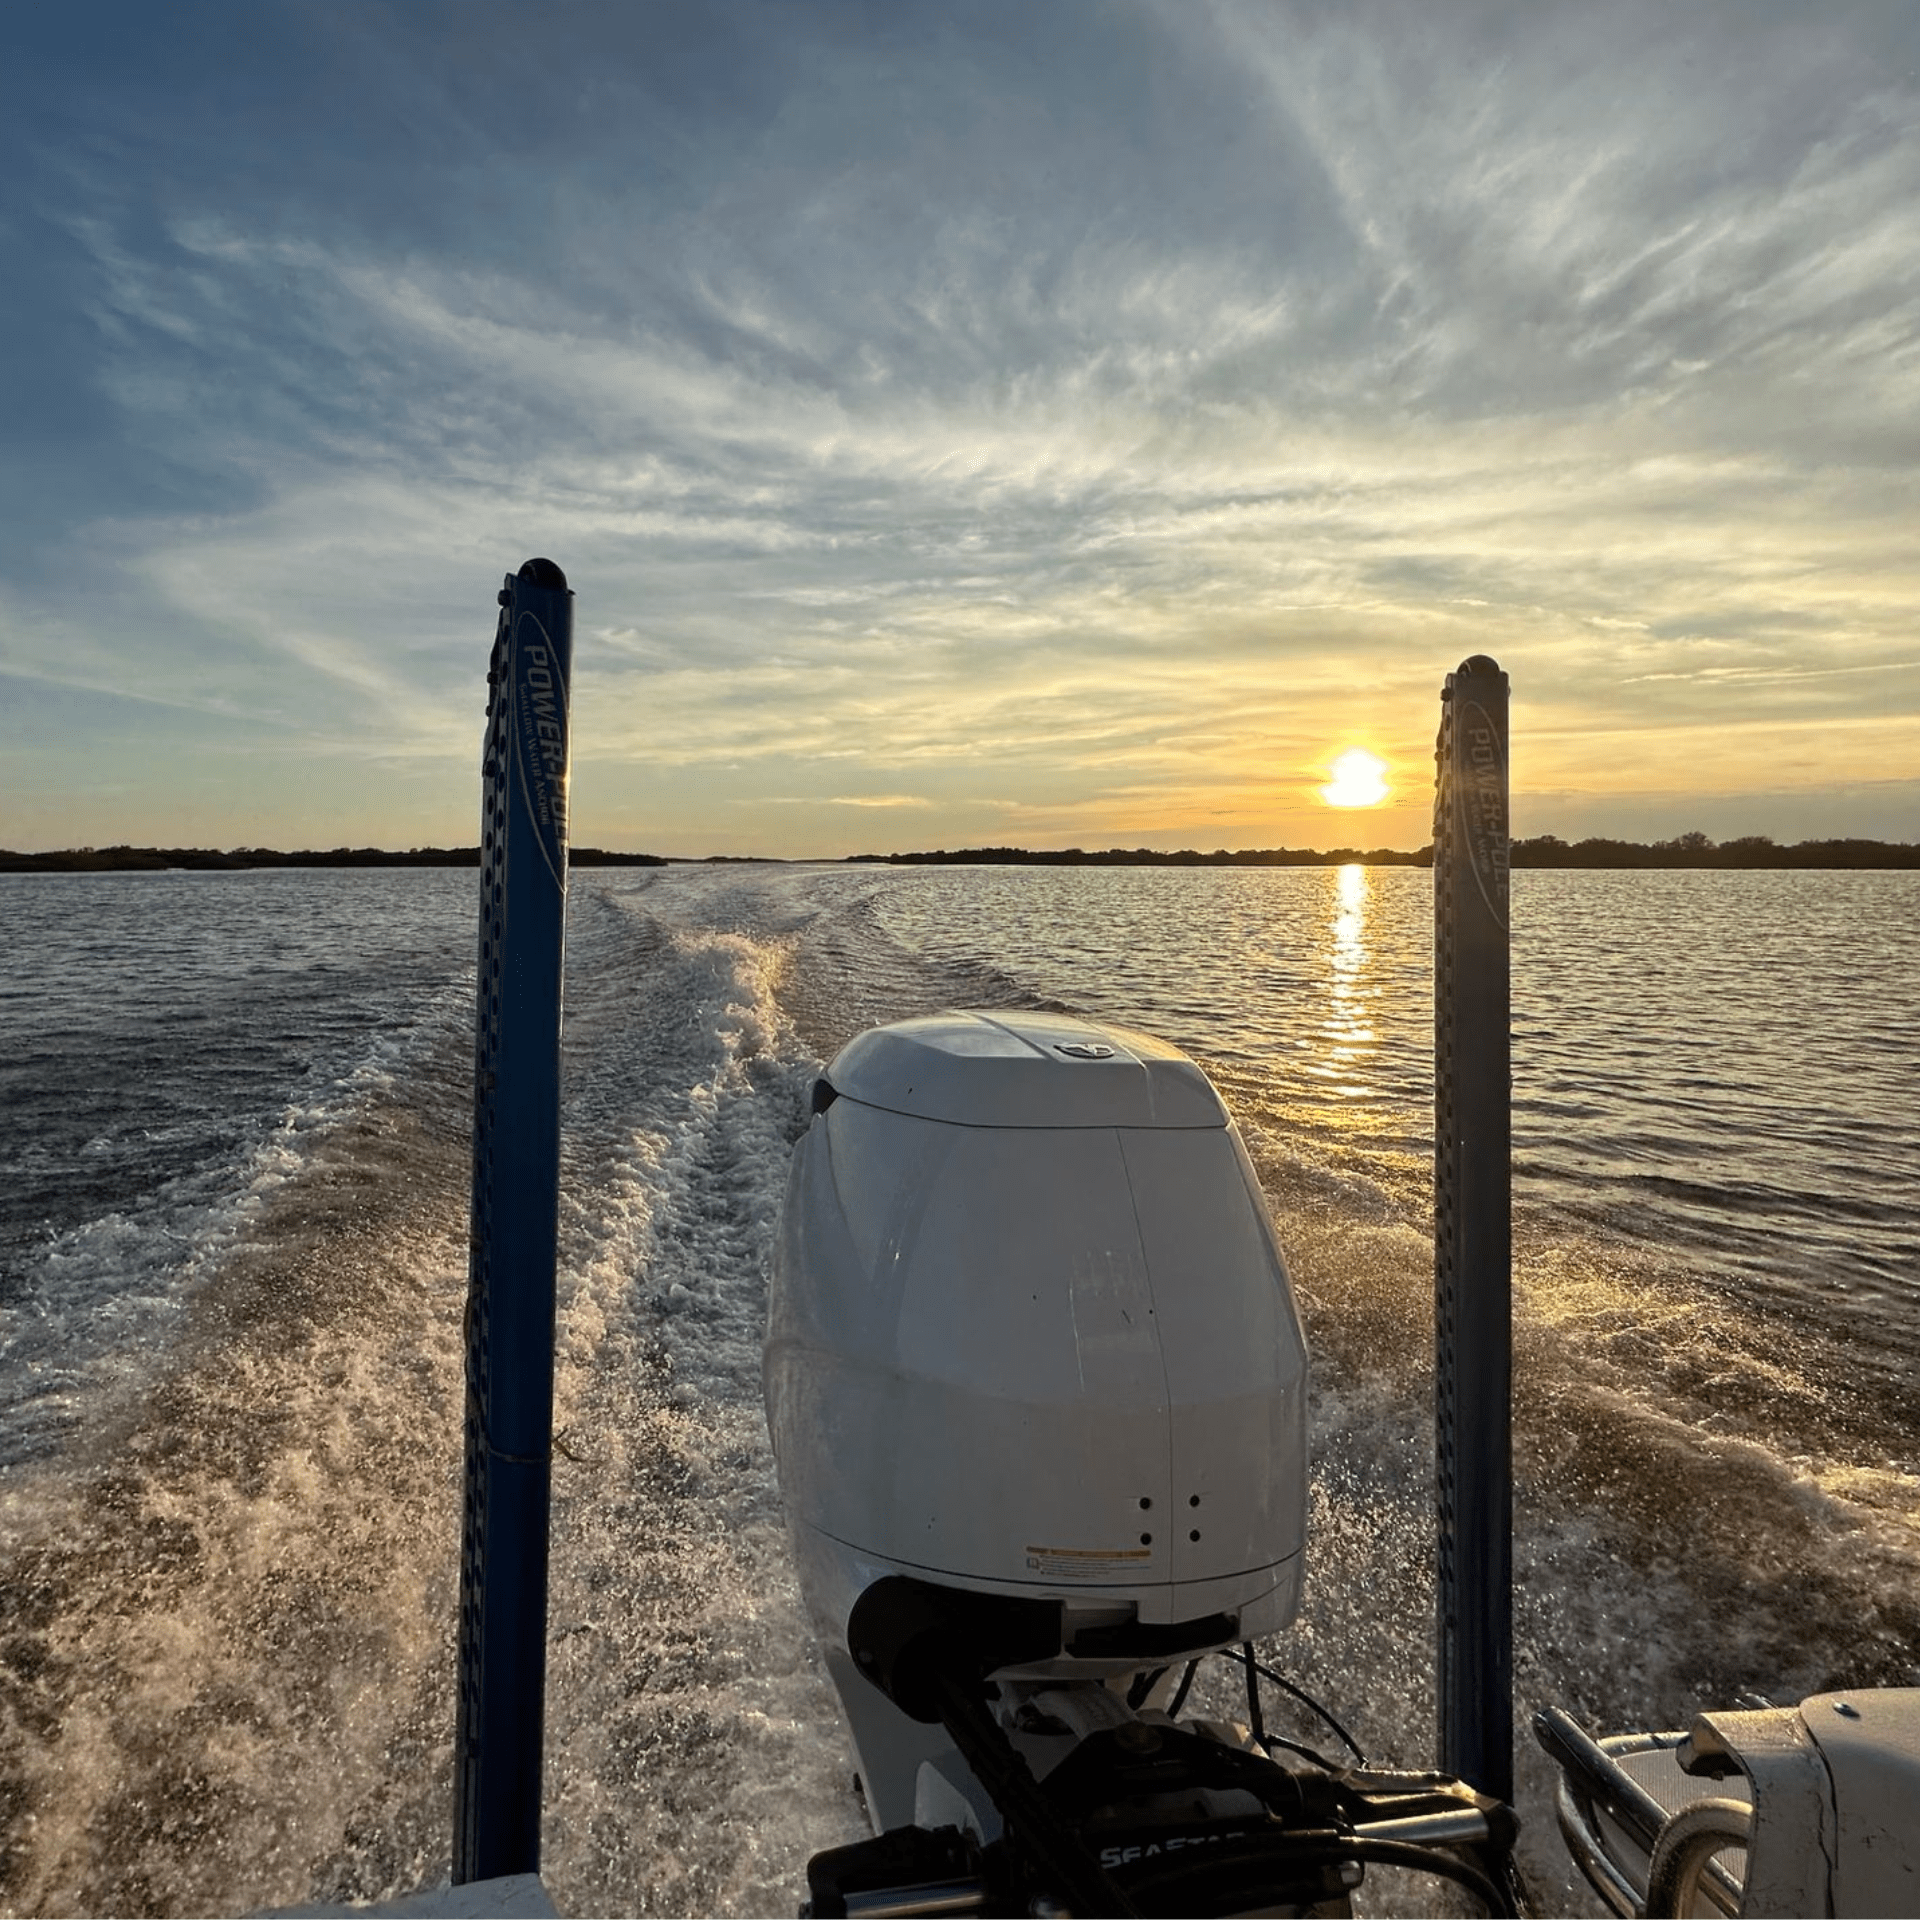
pixel 233 1115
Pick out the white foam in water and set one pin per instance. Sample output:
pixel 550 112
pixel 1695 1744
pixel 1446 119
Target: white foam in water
pixel 102 1299
pixel 226 1650
pixel 695 1759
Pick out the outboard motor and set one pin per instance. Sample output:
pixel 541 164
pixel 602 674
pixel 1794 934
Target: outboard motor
pixel 1031 1338
pixel 1036 1384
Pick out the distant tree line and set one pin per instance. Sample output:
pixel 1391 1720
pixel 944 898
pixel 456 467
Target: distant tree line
pixel 1697 850
pixel 207 860
pixel 1544 850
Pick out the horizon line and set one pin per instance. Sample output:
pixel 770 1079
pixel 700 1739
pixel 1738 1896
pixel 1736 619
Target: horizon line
pixel 1693 849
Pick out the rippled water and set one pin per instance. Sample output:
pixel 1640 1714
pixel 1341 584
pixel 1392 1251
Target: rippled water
pixel 233 1112
pixel 1720 1060
pixel 170 1047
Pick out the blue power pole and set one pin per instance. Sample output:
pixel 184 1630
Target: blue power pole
pixel 516 1179
pixel 1472 1231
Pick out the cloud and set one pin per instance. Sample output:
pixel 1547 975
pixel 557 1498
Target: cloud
pixel 844 800
pixel 1117 409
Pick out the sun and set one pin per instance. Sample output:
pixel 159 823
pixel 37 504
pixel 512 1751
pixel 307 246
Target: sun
pixel 1359 780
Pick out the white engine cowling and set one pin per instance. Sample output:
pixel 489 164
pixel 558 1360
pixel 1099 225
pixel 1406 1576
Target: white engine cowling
pixel 1030 1334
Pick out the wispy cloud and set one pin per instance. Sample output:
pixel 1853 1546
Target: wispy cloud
pixel 1113 412
pixel 844 800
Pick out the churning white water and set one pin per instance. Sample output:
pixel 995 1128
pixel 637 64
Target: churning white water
pixel 233 1131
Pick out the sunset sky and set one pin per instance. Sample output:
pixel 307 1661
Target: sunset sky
pixel 1057 425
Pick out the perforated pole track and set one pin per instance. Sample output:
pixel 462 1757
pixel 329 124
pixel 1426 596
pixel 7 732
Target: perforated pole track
pixel 510 1290
pixel 1472 1233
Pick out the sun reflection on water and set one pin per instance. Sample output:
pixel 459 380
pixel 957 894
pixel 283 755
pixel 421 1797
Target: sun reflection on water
pixel 1347 1034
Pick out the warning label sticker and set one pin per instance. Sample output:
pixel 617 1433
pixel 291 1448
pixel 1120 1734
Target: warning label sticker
pixel 1088 1563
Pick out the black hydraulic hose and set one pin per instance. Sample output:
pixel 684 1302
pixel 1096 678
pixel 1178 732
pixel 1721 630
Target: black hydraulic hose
pixel 1179 1699
pixel 1313 1706
pixel 1064 1857
pixel 1143 1685
pixel 1320 1760
pixel 1204 1866
pixel 1255 1722
pixel 1446 1866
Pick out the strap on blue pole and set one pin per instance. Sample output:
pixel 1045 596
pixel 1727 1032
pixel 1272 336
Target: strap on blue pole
pixel 1472 1231
pixel 516 1177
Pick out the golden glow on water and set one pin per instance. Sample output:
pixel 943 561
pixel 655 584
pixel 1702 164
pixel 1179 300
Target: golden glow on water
pixel 1347 1035
pixel 1359 780
pixel 1692 1183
